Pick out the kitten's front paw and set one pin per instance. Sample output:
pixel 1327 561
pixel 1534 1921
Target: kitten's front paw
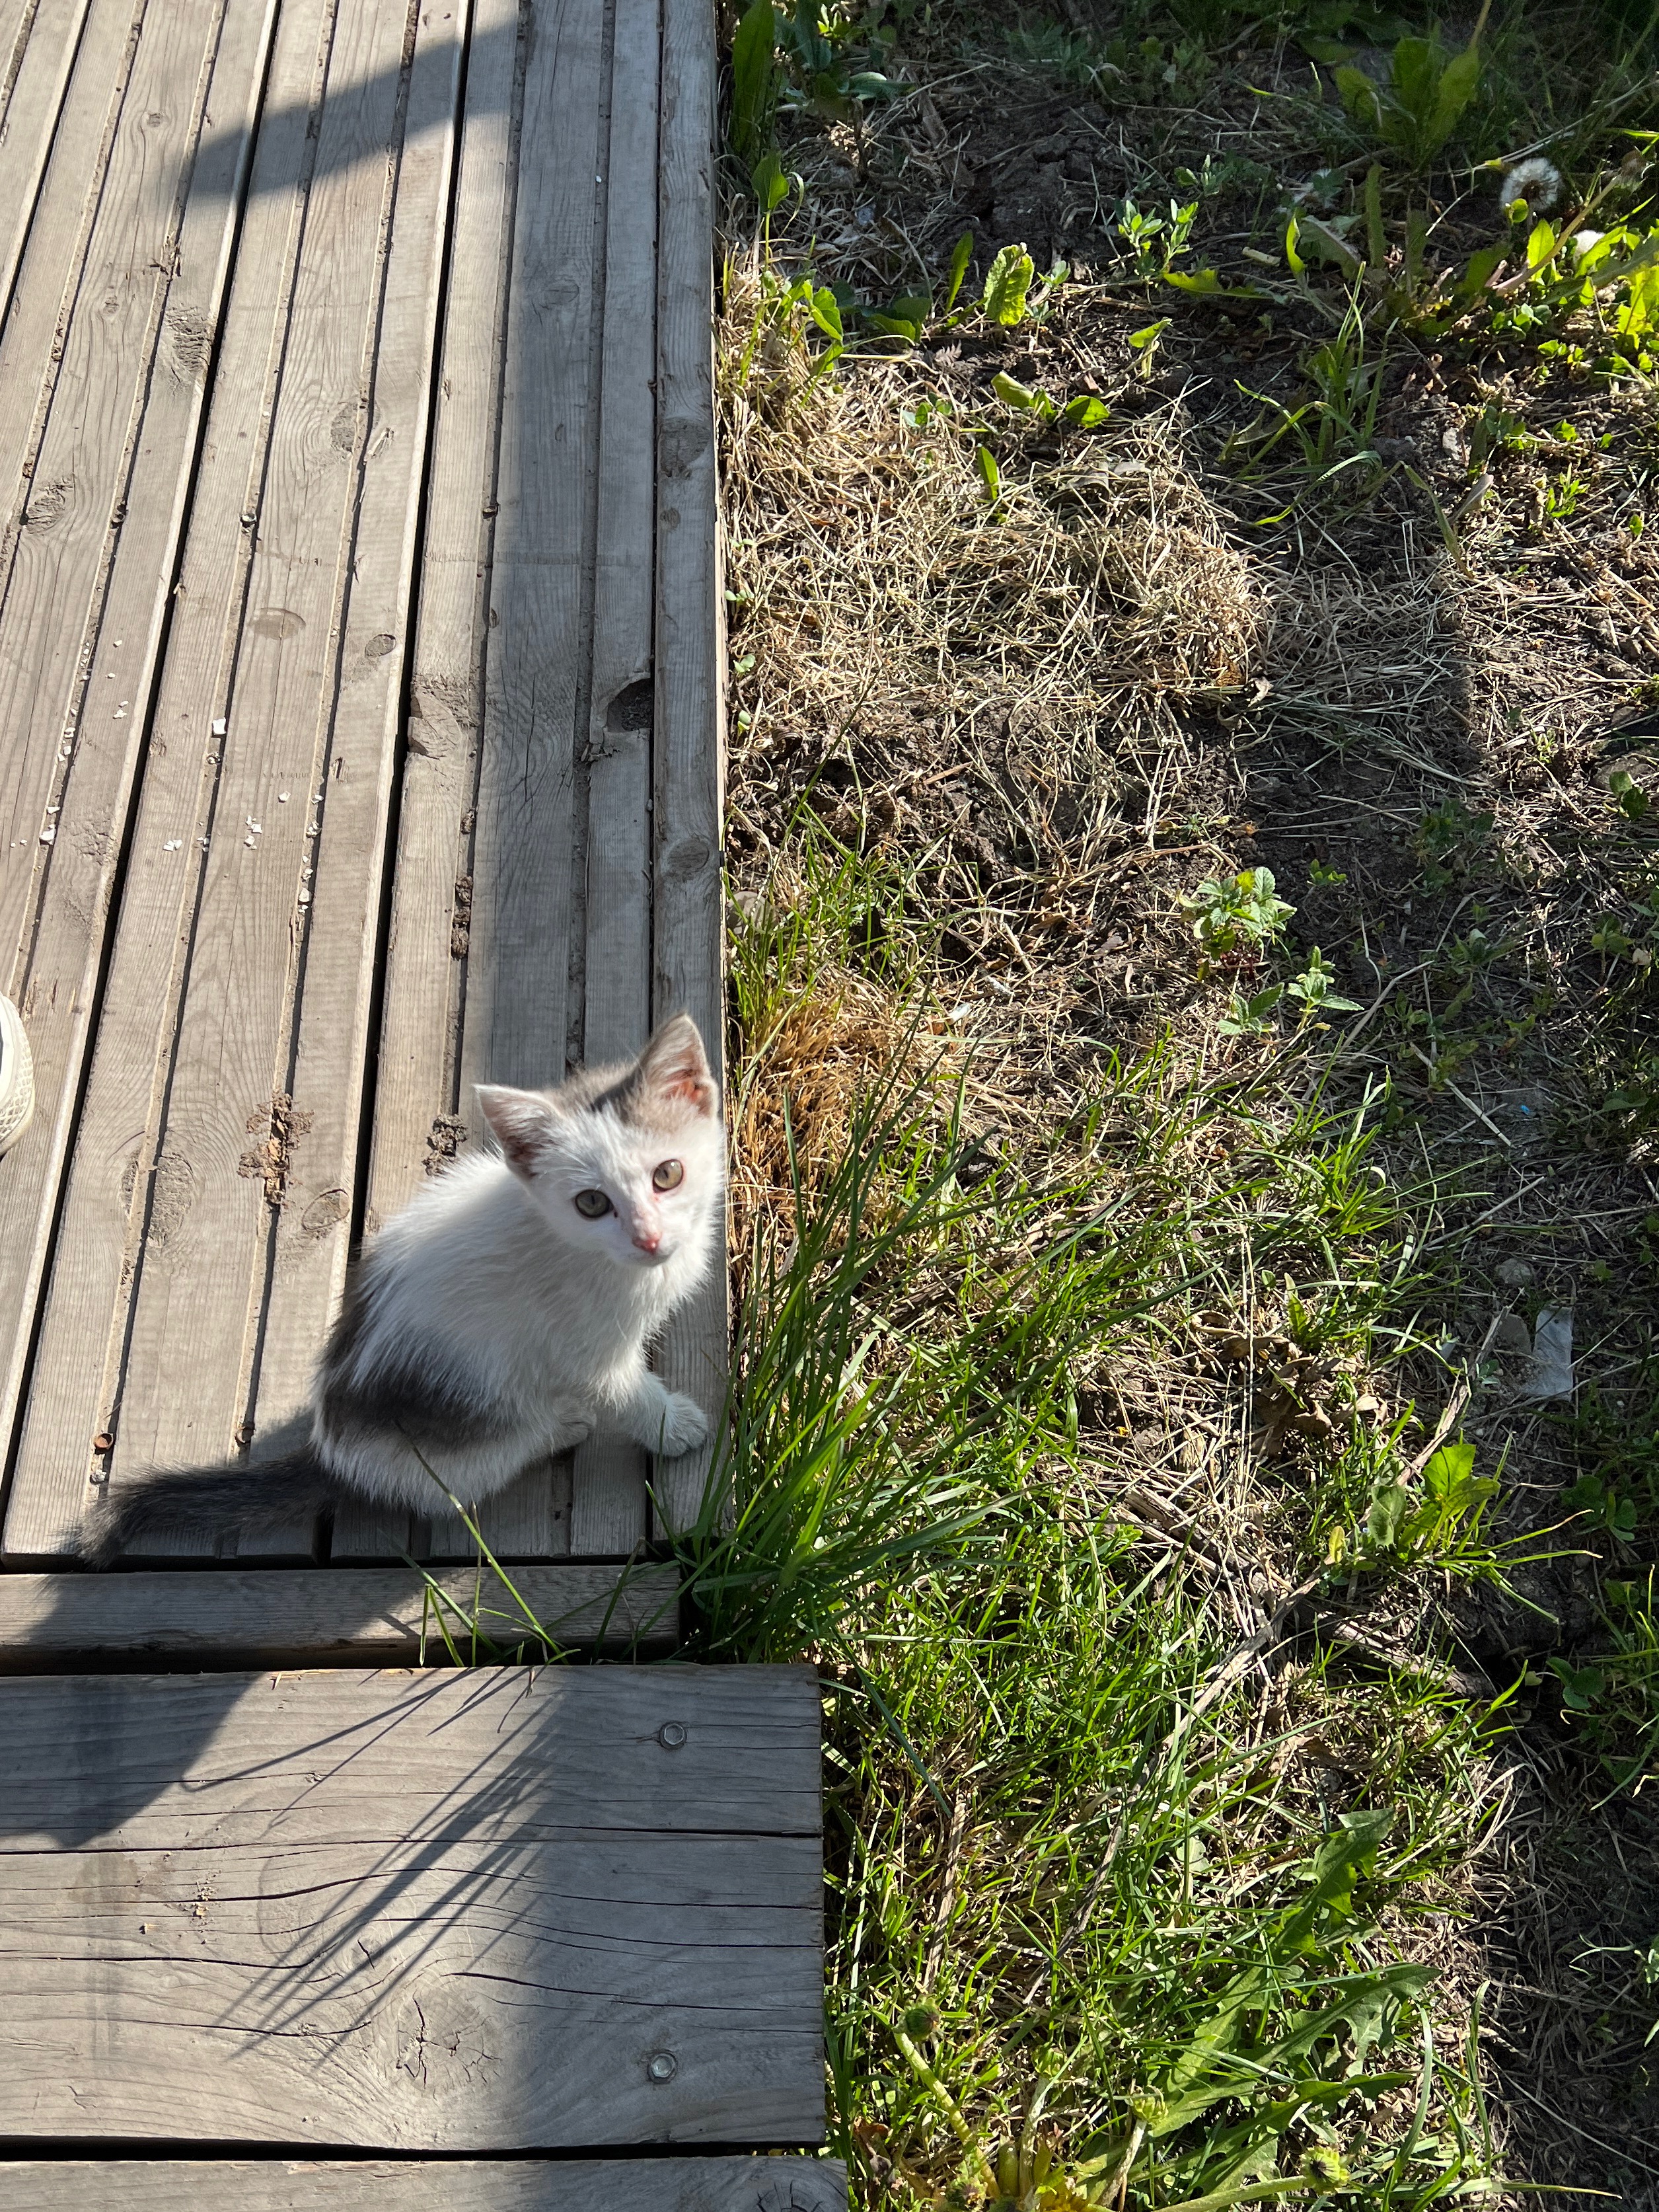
pixel 684 1426
pixel 574 1425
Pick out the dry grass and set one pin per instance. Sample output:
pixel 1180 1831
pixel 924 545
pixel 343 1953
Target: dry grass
pixel 1037 655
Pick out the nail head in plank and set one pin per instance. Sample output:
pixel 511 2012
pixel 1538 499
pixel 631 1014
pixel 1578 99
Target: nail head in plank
pixel 374 1616
pixel 657 2185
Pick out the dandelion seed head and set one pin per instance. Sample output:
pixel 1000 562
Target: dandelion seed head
pixel 1536 181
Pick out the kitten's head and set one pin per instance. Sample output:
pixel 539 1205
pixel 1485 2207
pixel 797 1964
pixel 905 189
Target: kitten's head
pixel 627 1162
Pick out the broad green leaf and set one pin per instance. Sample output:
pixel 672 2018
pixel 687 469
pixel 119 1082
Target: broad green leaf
pixel 754 82
pixel 771 185
pixel 985 461
pixel 1415 71
pixel 1388 1511
pixel 1292 230
pixel 1014 394
pixel 1541 244
pixel 1395 1985
pixel 1580 1686
pixel 1201 280
pixel 1481 266
pixel 1450 1467
pixel 1086 413
pixel 826 313
pixel 1359 97
pixel 1145 336
pixel 1330 246
pixel 1460 80
pixel 1007 285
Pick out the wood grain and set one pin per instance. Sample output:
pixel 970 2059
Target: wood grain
pixel 85 588
pixel 688 921
pixel 38 47
pixel 519 1021
pixel 336 948
pixel 128 1196
pixel 556 871
pixel 481 1909
pixel 658 2185
pixel 300 545
pixel 233 1045
pixel 417 1102
pixel 609 1511
pixel 373 1616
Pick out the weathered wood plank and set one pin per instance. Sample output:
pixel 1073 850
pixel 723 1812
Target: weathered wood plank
pixel 336 940
pixel 492 1909
pixel 520 1021
pixel 234 1052
pixel 125 1192
pixel 419 1118
pixel 609 1511
pixel 133 1758
pixel 38 47
pixel 373 1616
pixel 688 931
pixel 416 1096
pixel 86 597
pixel 658 2185
pixel 205 1005
pixel 46 249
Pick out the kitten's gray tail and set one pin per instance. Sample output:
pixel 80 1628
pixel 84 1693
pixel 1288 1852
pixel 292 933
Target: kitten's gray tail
pixel 210 1501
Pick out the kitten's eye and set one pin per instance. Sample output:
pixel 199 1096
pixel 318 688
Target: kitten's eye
pixel 593 1204
pixel 668 1175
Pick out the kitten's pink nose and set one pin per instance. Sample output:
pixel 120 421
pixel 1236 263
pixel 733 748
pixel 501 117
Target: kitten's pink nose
pixel 647 1240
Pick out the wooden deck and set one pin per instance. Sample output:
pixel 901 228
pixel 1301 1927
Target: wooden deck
pixel 662 2184
pixel 510 1910
pixel 359 714
pixel 358 695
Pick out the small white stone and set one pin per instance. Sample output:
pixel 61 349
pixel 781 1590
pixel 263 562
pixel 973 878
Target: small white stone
pixel 49 837
pixel 172 844
pixel 219 727
pixel 282 798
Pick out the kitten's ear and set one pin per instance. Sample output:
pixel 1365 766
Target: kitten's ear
pixel 523 1121
pixel 674 1071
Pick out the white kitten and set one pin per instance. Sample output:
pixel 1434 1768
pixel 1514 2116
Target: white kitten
pixel 501 1314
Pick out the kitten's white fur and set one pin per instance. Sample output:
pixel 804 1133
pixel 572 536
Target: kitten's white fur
pixel 492 1321
pixel 518 1301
